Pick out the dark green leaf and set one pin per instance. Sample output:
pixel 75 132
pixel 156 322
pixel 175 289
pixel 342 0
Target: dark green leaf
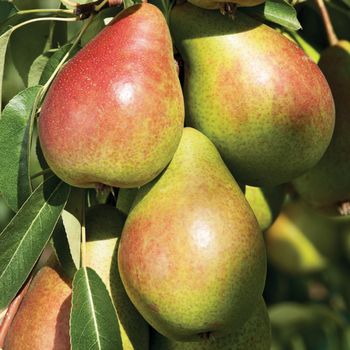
pixel 94 321
pixel 54 61
pixel 66 238
pixel 25 237
pixel 4 39
pixel 27 43
pixel 15 141
pixel 7 9
pixel 276 11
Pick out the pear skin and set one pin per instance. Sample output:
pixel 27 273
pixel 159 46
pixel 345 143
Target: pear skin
pixel 42 320
pixel 254 93
pixel 326 187
pixel 104 224
pixel 114 114
pixel 192 256
pixel 254 335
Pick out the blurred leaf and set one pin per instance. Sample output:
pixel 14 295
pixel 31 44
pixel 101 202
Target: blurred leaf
pixel 37 68
pixel 54 61
pixel 27 43
pixel 15 141
pixel 4 40
pixel 94 321
pixel 25 237
pixel 276 11
pixel 66 238
pixel 7 10
pixel 128 3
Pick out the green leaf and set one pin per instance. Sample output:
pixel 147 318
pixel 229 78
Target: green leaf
pixel 4 40
pixel 7 10
pixel 276 11
pixel 25 237
pixel 37 68
pixel 15 141
pixel 27 43
pixel 128 3
pixel 54 61
pixel 66 238
pixel 94 321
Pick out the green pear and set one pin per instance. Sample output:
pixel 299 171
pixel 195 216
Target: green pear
pixel 114 114
pixel 254 335
pixel 290 251
pixel 191 255
pixel 42 320
pixel 104 224
pixel 254 93
pixel 217 4
pixel 266 202
pixel 326 187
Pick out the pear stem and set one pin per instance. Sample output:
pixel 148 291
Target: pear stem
pixel 13 307
pixel 332 37
pixel 83 234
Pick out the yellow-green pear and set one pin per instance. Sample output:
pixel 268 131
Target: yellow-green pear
pixel 254 335
pixel 192 255
pixel 289 250
pixel 254 93
pixel 104 224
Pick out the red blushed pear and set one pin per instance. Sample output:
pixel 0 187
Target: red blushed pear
pixel 191 256
pixel 114 115
pixel 42 320
pixel 254 93
pixel 326 187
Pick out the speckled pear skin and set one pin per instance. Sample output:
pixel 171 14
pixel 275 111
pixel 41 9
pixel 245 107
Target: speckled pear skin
pixel 104 224
pixel 192 256
pixel 42 320
pixel 254 93
pixel 115 113
pixel 255 334
pixel 266 202
pixel 327 184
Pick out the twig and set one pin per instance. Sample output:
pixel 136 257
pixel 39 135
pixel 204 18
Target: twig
pixel 332 37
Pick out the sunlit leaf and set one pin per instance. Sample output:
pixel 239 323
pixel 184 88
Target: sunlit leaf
pixel 15 141
pixel 276 11
pixel 94 321
pixel 25 237
pixel 37 68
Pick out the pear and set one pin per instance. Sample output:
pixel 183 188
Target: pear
pixel 191 255
pixel 254 93
pixel 104 224
pixel 254 335
pixel 326 187
pixel 114 114
pixel 42 320
pixel 290 251
pixel 266 202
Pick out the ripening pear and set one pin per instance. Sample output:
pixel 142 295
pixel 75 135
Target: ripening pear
pixel 326 187
pixel 289 250
pixel 42 320
pixel 254 93
pixel 114 114
pixel 191 255
pixel 255 334
pixel 104 224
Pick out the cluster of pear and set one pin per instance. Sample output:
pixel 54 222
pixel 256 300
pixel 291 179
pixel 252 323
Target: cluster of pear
pixel 188 261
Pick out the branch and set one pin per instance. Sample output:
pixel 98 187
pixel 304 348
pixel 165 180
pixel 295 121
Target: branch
pixel 332 37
